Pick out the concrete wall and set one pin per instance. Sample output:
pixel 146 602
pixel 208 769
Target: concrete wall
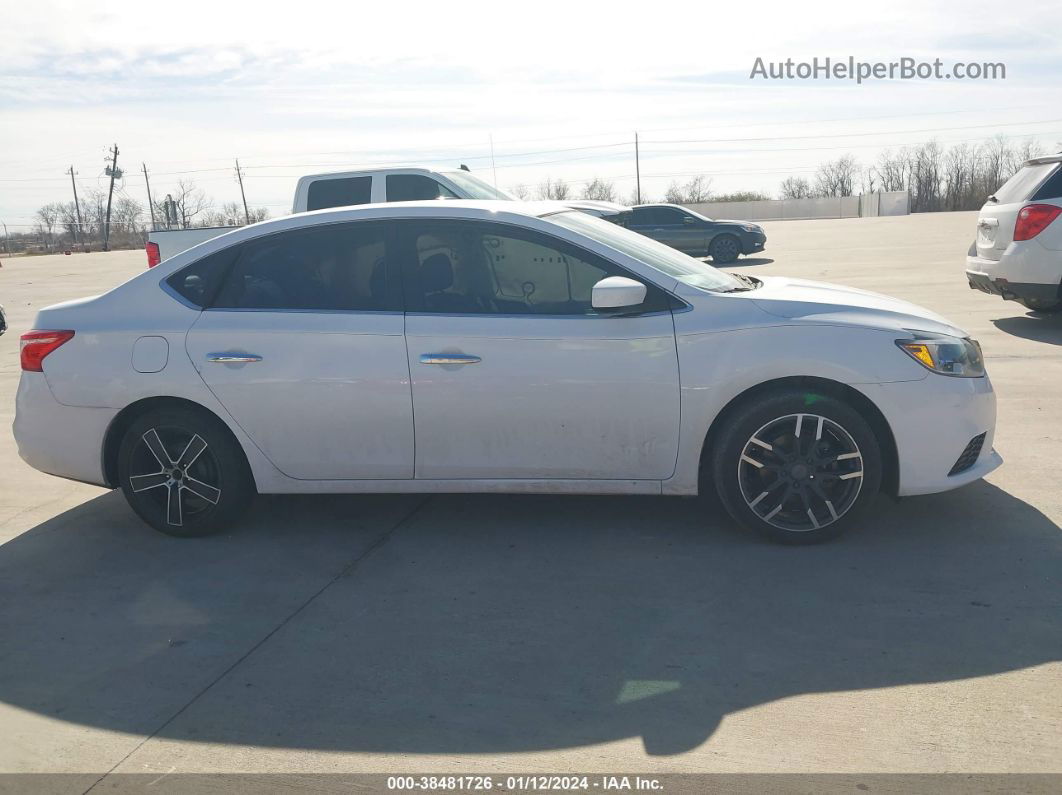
pixel 869 205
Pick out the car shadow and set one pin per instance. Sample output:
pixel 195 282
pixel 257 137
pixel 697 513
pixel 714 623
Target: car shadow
pixel 505 623
pixel 740 262
pixel 1036 326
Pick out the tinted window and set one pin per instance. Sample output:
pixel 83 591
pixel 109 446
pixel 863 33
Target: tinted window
pixel 332 267
pixel 198 282
pixel 415 187
pixel 657 216
pixel 1019 187
pixel 643 216
pixel 326 193
pixel 477 268
pixel 1052 189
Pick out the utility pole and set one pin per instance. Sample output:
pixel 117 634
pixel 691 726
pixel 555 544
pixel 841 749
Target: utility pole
pixel 6 249
pixel 637 172
pixel 113 171
pixel 239 176
pixel 79 234
pixel 151 204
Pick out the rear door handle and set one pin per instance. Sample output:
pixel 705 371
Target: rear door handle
pixel 233 358
pixel 448 358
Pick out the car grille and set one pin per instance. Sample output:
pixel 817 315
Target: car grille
pixel 969 455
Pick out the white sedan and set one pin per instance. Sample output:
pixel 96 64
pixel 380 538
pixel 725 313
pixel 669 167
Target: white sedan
pixel 471 347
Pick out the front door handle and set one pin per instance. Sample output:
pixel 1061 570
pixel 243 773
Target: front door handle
pixel 448 358
pixel 233 358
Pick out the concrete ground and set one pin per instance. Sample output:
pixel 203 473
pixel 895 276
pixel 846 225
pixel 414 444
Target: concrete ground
pixel 467 634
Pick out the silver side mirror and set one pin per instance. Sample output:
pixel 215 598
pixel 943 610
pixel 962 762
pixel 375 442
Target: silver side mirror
pixel 617 292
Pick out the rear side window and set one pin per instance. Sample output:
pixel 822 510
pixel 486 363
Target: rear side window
pixel 326 193
pixel 337 267
pixel 1052 189
pixel 415 187
pixel 1021 186
pixel 198 282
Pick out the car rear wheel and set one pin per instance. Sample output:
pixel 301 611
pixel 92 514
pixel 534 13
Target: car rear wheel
pixel 183 473
pixel 724 249
pixel 797 466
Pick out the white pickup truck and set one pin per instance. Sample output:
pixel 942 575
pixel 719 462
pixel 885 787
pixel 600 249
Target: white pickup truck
pixel 369 186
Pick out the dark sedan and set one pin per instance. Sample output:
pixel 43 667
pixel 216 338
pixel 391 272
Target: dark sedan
pixel 696 235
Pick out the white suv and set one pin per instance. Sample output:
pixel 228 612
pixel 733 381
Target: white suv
pixel 1018 251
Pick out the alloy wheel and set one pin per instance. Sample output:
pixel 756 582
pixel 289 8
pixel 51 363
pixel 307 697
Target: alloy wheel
pixel 800 472
pixel 178 470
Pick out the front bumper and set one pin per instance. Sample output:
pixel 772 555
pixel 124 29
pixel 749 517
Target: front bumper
pixel 752 242
pixel 60 440
pixel 933 422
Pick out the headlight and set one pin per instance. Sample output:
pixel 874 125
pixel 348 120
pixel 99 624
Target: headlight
pixel 944 354
pixel 750 227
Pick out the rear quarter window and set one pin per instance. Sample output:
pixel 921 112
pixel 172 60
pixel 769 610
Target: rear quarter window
pixel 198 283
pixel 1052 188
pixel 1025 183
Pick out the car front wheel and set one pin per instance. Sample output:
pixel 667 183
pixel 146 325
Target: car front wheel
pixel 183 473
pixel 797 466
pixel 724 249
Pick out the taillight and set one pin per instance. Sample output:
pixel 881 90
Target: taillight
pixel 1034 219
pixel 154 258
pixel 35 345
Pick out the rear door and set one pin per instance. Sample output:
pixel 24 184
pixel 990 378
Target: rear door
pixel 303 345
pixel 516 376
pixel 995 223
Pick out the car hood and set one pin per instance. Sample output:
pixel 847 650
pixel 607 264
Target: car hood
pixel 833 303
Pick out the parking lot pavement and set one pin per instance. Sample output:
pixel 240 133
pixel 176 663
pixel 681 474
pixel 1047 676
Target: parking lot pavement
pixel 465 633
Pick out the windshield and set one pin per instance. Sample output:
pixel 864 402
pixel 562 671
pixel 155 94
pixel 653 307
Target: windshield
pixel 656 255
pixel 475 187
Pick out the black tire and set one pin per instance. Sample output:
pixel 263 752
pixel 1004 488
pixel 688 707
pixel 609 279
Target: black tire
pixel 766 486
pixel 724 249
pixel 197 484
pixel 1039 305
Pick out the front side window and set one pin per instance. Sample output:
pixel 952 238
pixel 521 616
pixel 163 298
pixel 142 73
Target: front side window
pixel 474 187
pixel 471 267
pixel 415 187
pixel 325 193
pixel 335 267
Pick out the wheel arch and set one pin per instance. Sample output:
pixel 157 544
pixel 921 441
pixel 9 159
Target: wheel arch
pixel 112 440
pixel 825 386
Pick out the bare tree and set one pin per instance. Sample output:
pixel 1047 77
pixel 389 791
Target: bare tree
pixel 554 189
pixel 795 188
pixel 189 202
pixel 697 191
pixel 600 190
pixel 634 198
pixel 837 177
pixel 128 214
pixel 521 192
pixel 46 218
pixel 231 214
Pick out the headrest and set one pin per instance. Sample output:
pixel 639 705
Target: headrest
pixel 436 273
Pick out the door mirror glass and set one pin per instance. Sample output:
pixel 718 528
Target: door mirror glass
pixel 617 292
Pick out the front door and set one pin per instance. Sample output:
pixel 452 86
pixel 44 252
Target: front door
pixel 304 347
pixel 514 375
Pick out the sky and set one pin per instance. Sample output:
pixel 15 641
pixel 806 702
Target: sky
pixel 517 91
